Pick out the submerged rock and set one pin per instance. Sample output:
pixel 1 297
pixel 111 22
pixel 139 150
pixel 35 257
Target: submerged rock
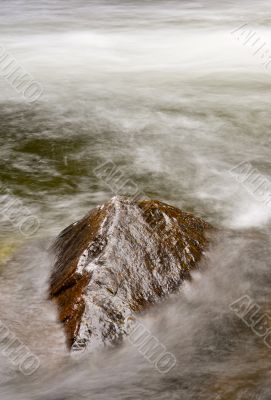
pixel 116 261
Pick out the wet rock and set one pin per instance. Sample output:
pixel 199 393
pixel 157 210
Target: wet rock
pixel 118 260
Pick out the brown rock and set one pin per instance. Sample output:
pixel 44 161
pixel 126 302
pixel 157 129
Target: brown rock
pixel 116 261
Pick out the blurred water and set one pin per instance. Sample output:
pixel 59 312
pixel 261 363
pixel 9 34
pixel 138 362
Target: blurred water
pixel 167 92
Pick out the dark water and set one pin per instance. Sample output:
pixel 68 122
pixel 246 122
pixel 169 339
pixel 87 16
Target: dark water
pixel 166 92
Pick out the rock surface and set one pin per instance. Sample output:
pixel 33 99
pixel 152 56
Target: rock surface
pixel 116 261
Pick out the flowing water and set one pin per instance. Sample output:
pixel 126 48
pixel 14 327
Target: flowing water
pixel 174 96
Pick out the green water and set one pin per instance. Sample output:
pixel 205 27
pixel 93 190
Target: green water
pixel 168 94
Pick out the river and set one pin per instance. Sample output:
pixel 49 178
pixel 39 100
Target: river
pixel 175 95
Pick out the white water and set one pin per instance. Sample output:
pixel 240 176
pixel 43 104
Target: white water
pixel 167 92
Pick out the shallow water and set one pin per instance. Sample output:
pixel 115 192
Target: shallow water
pixel 169 94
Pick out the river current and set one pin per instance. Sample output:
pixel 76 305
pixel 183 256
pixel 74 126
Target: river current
pixel 176 96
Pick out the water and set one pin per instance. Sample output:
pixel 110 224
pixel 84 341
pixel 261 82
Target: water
pixel 166 92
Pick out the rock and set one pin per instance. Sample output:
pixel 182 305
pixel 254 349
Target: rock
pixel 118 260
